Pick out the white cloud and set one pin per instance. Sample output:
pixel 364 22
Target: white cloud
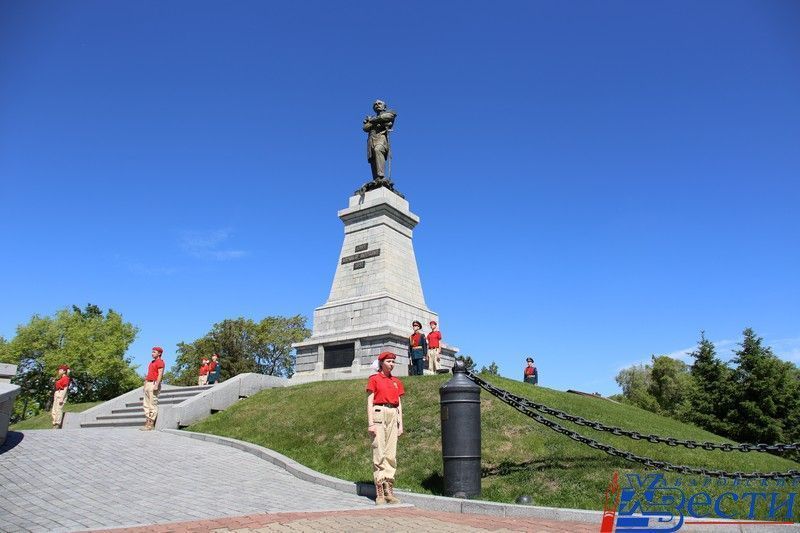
pixel 787 349
pixel 209 245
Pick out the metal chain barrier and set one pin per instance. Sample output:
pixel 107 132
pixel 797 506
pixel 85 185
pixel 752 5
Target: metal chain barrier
pixel 524 406
pixel 655 439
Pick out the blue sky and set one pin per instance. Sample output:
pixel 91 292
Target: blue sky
pixel 597 181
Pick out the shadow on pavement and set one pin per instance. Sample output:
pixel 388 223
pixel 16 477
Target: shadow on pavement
pixel 12 439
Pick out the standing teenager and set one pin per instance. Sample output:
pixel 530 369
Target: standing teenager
pixel 60 396
pixel 434 347
pixel 417 349
pixel 152 386
pixel 385 424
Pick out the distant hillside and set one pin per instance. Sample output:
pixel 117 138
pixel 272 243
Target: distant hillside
pixel 323 426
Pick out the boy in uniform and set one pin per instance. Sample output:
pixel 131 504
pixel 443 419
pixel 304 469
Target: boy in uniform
pixel 214 369
pixel 531 374
pixel 60 396
pixel 434 347
pixel 385 419
pixel 152 386
pixel 417 349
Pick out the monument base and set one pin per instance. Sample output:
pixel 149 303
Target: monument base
pixel 351 356
pixel 375 296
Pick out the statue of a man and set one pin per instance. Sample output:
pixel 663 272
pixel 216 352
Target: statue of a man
pixel 378 150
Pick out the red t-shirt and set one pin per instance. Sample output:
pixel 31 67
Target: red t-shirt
pixel 385 390
pixel 152 369
pixel 212 366
pixel 62 382
pixel 434 338
pixel 203 370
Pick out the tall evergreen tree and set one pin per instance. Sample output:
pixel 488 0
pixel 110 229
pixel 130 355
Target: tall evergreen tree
pixel 766 394
pixel 711 396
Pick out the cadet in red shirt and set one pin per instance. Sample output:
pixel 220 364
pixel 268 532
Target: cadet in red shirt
pixel 385 418
pixel 434 347
pixel 202 379
pixel 60 396
pixel 152 386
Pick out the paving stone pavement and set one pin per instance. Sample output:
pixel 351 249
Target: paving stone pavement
pixel 100 478
pixel 383 519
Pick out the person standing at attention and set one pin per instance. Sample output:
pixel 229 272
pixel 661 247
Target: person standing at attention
pixel 385 419
pixel 434 347
pixel 152 386
pixel 417 349
pixel 202 378
pixel 60 396
pixel 531 374
pixel 214 369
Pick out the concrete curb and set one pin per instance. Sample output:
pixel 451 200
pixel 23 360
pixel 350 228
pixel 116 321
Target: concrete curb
pixel 423 501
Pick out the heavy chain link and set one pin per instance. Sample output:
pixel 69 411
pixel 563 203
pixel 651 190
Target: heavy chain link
pixel 655 439
pixel 525 406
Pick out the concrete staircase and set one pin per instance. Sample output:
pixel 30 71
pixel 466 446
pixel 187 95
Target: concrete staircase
pixel 132 414
pixel 177 406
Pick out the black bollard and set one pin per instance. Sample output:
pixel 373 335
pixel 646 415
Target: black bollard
pixel 461 434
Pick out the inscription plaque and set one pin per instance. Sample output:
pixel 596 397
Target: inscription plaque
pixel 362 247
pixel 339 355
pixel 358 264
pixel 361 255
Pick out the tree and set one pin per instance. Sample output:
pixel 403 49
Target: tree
pixel 711 394
pixel 670 384
pixel 635 382
pixel 469 364
pixel 767 396
pixel 492 369
pixel 93 344
pixel 244 345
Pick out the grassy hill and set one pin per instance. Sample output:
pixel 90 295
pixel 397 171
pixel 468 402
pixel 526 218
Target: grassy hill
pixel 323 426
pixel 43 420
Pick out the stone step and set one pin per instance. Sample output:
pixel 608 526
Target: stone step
pixel 139 415
pixel 173 395
pixel 194 388
pixel 160 402
pixel 114 424
pixel 127 410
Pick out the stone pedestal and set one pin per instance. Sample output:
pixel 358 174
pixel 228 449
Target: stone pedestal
pixel 375 296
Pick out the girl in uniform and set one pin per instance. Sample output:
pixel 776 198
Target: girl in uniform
pixel 385 419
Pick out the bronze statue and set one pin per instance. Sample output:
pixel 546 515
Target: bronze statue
pixel 379 152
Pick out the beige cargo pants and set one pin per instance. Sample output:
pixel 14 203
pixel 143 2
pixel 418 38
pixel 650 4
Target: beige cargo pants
pixel 433 359
pixel 57 413
pixel 150 400
pixel 384 445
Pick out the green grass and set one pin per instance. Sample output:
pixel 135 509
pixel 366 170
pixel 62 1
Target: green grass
pixel 323 426
pixel 43 420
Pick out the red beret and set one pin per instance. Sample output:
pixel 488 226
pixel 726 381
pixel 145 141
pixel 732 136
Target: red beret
pixel 386 355
pixel 433 322
pixel 158 349
pixel 212 355
pixel 63 367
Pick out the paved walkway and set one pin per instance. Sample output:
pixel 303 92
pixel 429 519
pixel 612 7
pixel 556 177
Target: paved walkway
pixel 101 478
pixel 385 519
